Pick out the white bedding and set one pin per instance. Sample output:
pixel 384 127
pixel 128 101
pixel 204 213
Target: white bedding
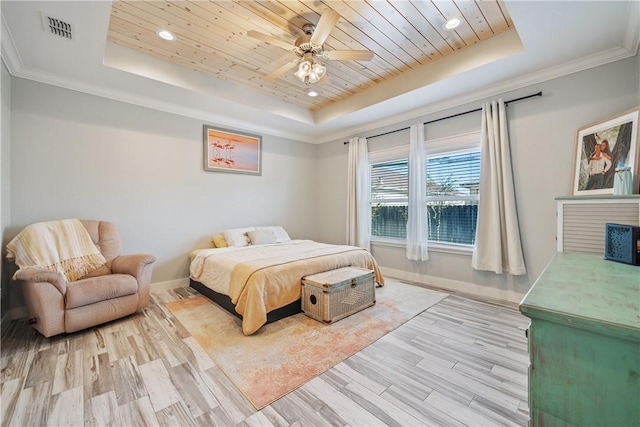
pixel 219 262
pixel 212 267
pixel 262 278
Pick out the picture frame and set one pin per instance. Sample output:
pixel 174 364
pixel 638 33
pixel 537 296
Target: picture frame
pixel 231 151
pixel 601 149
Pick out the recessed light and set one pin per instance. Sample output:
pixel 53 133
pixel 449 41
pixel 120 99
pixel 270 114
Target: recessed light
pixel 166 35
pixel 452 23
pixel 312 93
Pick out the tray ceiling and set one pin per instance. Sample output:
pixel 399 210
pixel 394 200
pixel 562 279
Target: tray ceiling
pixel 406 37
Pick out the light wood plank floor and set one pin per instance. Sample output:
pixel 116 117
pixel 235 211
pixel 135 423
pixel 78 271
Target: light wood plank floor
pixel 460 363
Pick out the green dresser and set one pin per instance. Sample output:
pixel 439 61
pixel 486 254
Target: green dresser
pixel 584 343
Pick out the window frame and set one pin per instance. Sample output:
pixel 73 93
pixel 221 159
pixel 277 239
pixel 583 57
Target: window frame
pixel 447 145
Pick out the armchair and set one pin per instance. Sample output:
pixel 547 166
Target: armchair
pixel 117 289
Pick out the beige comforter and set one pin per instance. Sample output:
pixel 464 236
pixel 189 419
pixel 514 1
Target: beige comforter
pixel 269 277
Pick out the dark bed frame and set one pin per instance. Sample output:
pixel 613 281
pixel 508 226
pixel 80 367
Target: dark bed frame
pixel 224 301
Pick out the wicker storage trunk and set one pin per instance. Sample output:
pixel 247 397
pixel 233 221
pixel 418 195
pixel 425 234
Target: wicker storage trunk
pixel 336 294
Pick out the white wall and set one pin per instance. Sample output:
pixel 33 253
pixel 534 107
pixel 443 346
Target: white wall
pixel 79 156
pixel 543 137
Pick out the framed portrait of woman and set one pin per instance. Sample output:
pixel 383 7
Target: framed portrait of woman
pixel 602 149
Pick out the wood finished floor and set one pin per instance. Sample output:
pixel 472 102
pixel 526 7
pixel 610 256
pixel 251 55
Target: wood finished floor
pixel 460 363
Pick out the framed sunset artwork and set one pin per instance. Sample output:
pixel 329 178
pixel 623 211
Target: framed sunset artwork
pixel 232 151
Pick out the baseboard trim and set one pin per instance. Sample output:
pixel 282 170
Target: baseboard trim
pixel 472 290
pixel 446 285
pixel 168 285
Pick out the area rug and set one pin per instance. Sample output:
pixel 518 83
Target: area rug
pixel 284 355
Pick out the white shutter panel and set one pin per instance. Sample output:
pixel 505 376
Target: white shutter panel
pixel 581 223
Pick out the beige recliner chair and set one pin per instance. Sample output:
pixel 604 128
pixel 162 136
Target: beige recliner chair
pixel 117 289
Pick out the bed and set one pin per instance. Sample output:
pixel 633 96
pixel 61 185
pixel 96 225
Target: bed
pixel 261 282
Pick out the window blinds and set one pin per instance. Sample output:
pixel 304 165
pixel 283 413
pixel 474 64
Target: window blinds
pixel 453 180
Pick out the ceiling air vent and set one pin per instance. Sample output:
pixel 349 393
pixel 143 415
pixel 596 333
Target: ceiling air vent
pixel 57 27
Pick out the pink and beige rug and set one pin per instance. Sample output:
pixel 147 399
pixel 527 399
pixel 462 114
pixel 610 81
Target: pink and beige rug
pixel 284 355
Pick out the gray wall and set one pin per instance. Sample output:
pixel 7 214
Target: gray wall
pixel 5 138
pixel 543 136
pixel 79 156
pixel 76 155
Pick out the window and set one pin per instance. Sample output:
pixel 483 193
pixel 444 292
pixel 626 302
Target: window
pixel 453 182
pixel 389 196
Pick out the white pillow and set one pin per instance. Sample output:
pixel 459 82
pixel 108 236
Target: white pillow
pixel 237 236
pixel 280 233
pixel 262 236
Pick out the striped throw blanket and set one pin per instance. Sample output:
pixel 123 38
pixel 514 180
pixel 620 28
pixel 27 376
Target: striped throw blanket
pixel 63 246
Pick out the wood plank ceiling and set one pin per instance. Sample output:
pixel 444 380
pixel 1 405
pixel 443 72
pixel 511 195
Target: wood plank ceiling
pixel 212 38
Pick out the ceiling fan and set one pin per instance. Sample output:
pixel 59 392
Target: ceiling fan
pixel 308 48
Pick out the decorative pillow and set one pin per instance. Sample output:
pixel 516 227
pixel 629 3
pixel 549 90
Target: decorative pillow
pixel 262 236
pixel 237 236
pixel 281 234
pixel 219 241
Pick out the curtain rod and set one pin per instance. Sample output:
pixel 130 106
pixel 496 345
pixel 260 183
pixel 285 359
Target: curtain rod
pixel 453 115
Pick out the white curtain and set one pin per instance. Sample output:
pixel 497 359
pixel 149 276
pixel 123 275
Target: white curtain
pixel 358 194
pixel 497 247
pixel 417 221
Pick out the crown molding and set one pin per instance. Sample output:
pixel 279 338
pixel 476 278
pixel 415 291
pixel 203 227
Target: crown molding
pixel 148 102
pixel 10 55
pixel 16 68
pixel 632 31
pixel 588 62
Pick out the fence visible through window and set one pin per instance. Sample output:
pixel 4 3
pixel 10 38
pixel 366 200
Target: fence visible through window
pixel 453 181
pixel 452 224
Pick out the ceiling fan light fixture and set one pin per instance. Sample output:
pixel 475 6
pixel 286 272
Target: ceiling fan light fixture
pixel 452 24
pixel 319 69
pixel 308 47
pixel 305 67
pixel 310 71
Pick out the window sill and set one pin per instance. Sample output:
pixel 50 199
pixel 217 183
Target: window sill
pixel 450 248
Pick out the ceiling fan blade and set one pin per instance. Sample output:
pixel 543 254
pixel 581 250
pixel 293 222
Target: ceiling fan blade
pixel 327 21
pixel 349 55
pixel 271 40
pixel 280 71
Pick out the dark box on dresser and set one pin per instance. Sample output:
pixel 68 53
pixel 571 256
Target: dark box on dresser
pixel 622 243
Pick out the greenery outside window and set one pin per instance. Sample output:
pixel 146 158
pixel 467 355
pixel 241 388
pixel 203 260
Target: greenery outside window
pixel 453 182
